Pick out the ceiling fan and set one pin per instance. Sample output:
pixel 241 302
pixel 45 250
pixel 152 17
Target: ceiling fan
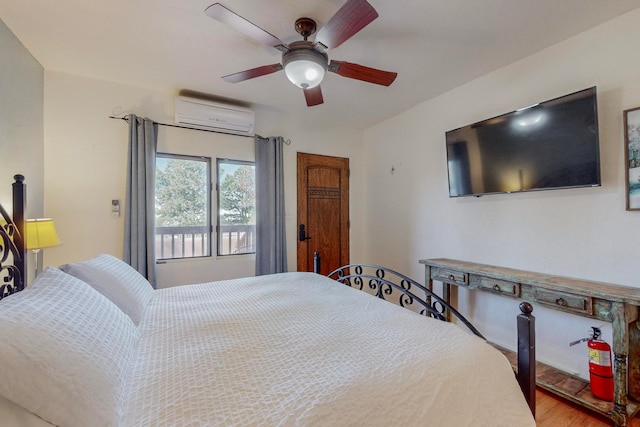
pixel 304 62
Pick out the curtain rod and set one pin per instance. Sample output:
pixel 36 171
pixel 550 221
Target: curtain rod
pixel 286 141
pixel 185 127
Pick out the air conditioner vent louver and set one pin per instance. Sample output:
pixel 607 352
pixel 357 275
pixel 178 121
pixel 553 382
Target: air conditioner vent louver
pixel 201 114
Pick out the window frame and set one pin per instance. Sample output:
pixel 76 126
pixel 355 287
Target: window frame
pixel 208 204
pixel 219 161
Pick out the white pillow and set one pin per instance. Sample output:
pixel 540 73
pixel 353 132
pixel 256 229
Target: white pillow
pixel 116 280
pixel 64 351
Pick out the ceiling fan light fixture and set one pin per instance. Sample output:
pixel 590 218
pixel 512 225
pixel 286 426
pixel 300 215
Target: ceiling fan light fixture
pixel 305 68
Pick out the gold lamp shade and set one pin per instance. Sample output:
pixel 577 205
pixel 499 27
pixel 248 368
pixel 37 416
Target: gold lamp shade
pixel 41 233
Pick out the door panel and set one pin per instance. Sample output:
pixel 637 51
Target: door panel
pixel 323 209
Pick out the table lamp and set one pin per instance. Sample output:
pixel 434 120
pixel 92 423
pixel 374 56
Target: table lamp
pixel 40 233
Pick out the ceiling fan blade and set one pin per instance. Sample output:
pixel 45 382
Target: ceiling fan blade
pixel 353 16
pixel 360 72
pixel 313 96
pixel 238 23
pixel 252 73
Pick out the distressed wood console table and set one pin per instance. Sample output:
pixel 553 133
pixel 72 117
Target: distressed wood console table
pixel 616 304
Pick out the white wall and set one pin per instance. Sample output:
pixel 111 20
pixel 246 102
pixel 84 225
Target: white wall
pixel 584 233
pixel 21 132
pixel 85 167
pixel 21 129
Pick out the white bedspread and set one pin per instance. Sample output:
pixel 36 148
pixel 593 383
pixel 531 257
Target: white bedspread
pixel 300 349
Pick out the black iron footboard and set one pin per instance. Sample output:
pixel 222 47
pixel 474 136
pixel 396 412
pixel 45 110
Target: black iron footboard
pixel 392 286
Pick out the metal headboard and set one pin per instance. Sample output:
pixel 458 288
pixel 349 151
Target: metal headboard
pixel 13 260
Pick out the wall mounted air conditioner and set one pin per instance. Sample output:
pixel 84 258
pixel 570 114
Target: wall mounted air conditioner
pixel 208 115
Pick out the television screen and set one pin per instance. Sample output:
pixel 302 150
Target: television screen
pixel 550 145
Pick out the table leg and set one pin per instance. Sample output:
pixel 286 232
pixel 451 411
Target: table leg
pixel 620 351
pixel 446 295
pixel 634 361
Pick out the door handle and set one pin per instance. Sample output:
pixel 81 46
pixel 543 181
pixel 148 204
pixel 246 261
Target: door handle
pixel 302 234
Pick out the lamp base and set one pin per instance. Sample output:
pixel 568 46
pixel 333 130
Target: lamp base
pixel 36 256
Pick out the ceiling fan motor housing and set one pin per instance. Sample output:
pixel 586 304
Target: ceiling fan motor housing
pixel 304 66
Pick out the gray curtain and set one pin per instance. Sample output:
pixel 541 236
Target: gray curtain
pixel 139 222
pixel 271 245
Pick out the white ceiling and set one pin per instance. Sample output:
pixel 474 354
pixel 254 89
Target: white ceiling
pixel 170 45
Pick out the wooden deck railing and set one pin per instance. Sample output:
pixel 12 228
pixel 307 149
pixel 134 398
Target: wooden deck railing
pixel 193 241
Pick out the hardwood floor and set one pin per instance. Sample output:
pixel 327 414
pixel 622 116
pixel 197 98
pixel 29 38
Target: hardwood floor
pixel 552 411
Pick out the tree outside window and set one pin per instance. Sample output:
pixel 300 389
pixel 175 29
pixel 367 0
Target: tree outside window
pixel 236 207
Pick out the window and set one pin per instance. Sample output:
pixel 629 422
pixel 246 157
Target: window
pixel 183 219
pixel 236 207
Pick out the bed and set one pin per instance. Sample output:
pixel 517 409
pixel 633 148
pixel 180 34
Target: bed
pixel 91 343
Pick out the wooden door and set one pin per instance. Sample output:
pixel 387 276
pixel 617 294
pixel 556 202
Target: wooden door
pixel 323 211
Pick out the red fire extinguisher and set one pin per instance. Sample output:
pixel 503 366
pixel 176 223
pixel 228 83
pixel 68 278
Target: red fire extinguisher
pixel 600 368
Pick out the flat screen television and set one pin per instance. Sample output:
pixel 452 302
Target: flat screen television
pixel 549 145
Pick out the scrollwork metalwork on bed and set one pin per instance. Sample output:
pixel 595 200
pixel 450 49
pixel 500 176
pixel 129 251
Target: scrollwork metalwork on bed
pixel 392 286
pixel 397 288
pixel 12 247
